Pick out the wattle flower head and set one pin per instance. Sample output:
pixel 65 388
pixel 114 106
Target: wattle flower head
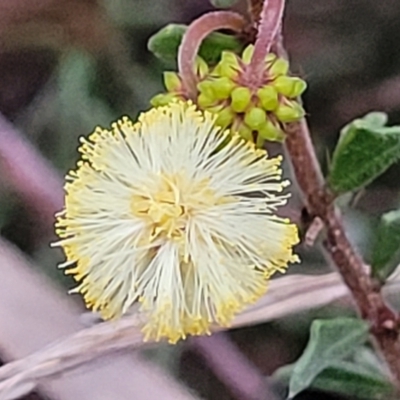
pixel 176 214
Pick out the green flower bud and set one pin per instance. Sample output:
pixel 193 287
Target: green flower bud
pixel 240 99
pixel 270 58
pixel 171 81
pixel 289 86
pixel 215 109
pixel 204 101
pixel 201 67
pixel 255 118
pixel 162 99
pixel 268 98
pixel 279 67
pixel 248 54
pixel 206 88
pixel 225 117
pixel 228 66
pixel 269 131
pixel 245 132
pixel 222 88
pixel 289 112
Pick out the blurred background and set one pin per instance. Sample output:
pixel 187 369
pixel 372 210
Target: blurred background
pixel 69 65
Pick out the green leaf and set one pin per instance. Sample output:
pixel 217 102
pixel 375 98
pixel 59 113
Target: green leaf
pixel 366 148
pixel 348 379
pixel 353 380
pixel 223 3
pixel 165 43
pixel 386 252
pixel 330 341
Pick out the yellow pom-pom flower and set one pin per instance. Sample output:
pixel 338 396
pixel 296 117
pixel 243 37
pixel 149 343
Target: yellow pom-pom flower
pixel 177 215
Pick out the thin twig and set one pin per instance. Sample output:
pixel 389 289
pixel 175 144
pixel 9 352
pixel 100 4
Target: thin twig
pixel 286 295
pixel 193 37
pixel 319 201
pixel 67 354
pixel 271 19
pixel 367 295
pixel 350 265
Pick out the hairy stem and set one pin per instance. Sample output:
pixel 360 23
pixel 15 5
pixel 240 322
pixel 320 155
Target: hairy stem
pixel 366 294
pixel 270 23
pixel 197 31
pixel 319 201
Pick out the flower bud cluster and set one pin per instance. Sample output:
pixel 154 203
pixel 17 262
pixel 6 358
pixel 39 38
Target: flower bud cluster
pixel 257 109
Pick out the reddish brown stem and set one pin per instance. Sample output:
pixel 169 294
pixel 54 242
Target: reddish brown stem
pixel 193 37
pixel 367 295
pixel 271 19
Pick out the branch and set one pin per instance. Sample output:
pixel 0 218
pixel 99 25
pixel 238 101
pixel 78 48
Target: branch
pixel 196 32
pixel 320 203
pixel 367 295
pixel 34 313
pixel 287 295
pixel 271 20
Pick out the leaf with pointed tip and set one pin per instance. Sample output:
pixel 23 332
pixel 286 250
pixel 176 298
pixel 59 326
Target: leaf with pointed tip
pixel 330 341
pixel 365 150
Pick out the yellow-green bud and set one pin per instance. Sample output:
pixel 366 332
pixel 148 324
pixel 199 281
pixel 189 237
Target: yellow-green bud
pixel 240 99
pixel 289 112
pixel 245 132
pixel 171 81
pixel 289 86
pixel 225 117
pixel 269 131
pixel 215 109
pixel 270 57
pixel 204 101
pixel 268 98
pixel 228 66
pixel 222 88
pixel 248 54
pixel 162 99
pixel 255 118
pixel 205 87
pixel 201 67
pixel 279 67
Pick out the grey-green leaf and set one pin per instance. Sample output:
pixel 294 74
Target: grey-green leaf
pixel 386 252
pixel 366 148
pixel 165 43
pixel 330 341
pixel 223 3
pixel 347 378
pixel 354 380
